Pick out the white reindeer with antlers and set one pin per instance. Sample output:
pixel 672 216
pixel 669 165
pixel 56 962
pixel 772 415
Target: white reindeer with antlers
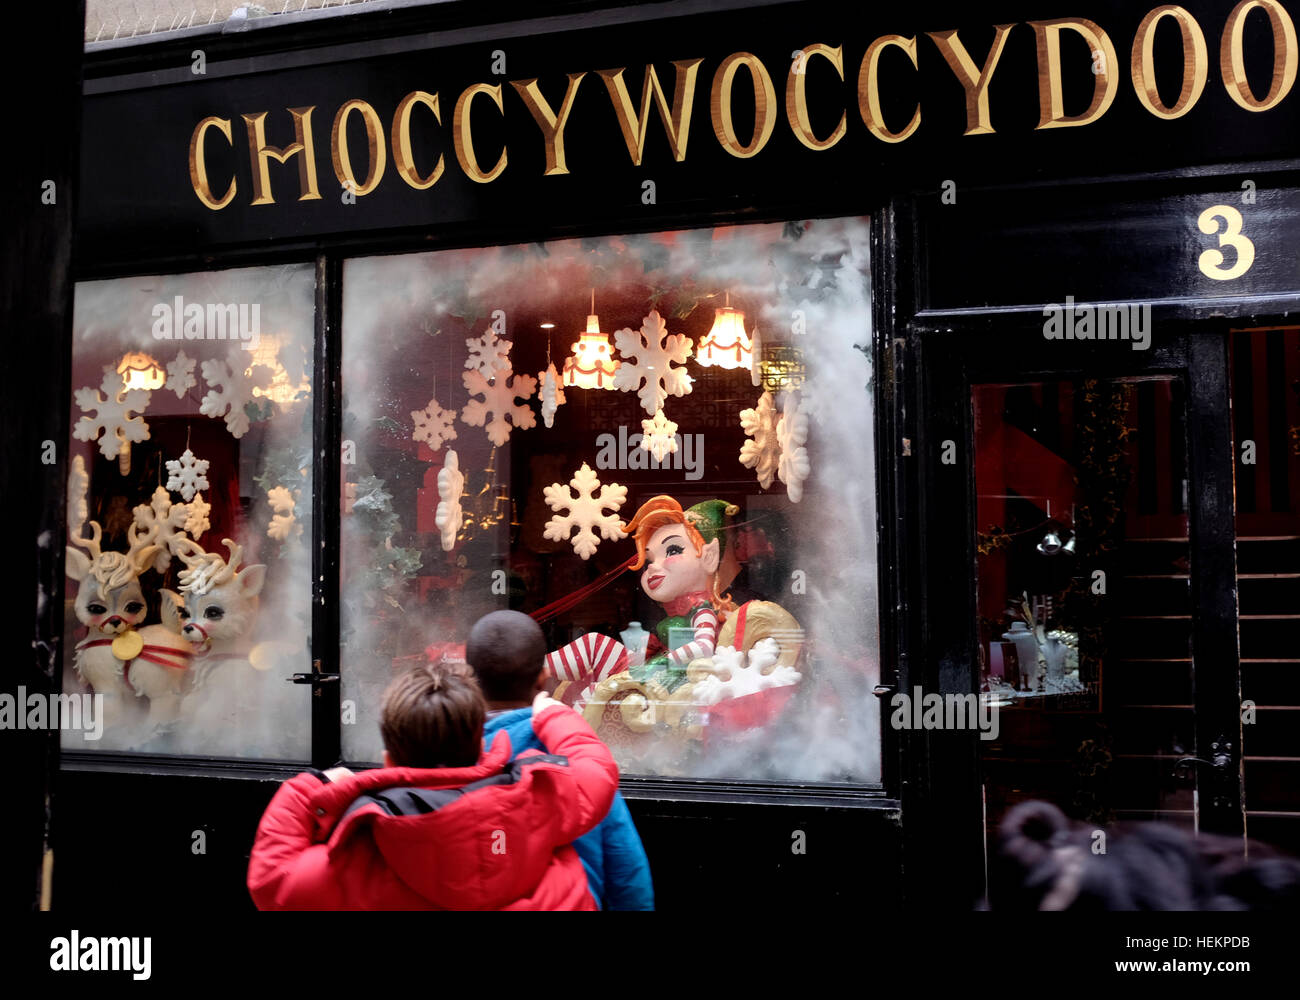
pixel 215 613
pixel 117 659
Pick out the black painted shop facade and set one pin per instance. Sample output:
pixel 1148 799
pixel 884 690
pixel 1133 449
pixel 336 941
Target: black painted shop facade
pixel 1093 490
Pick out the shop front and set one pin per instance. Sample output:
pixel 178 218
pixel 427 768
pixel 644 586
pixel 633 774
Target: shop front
pixel 960 348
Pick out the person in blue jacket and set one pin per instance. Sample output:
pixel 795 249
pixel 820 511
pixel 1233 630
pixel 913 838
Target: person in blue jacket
pixel 507 651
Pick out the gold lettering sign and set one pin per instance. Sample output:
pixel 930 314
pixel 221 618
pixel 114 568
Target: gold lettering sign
pixel 1232 55
pixel 764 103
pixel 975 79
pixel 551 124
pixel 796 97
pixel 463 138
pixel 260 153
pixel 403 155
pixel 374 146
pixel 199 164
pixel 1105 78
pixel 1196 62
pixel 677 119
pixel 869 89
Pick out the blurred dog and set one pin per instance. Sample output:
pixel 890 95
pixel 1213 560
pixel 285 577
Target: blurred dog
pixel 1042 861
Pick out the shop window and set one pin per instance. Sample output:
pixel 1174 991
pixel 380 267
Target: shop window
pixel 508 412
pixel 189 499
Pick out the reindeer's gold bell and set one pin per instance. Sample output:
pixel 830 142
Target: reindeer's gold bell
pixel 128 645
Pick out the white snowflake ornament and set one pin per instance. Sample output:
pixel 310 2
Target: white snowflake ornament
pixel 283 521
pixel 117 414
pixel 653 374
pixel 794 466
pixel 659 436
pixel 434 425
pixel 552 393
pixel 232 391
pixel 161 522
pixel 187 475
pixel 733 677
pixel 196 521
pixel 499 397
pixel 586 509
pixel 451 486
pixel 763 451
pixel 488 355
pixel 180 374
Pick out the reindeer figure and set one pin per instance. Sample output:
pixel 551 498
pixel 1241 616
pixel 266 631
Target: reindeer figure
pixel 110 603
pixel 215 613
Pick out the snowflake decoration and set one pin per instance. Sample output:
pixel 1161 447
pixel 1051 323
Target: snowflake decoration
pixel 792 433
pixel 763 451
pixel 434 425
pixel 113 415
pixel 188 474
pixel 552 394
pixel 659 436
pixel 180 375
pixel 162 523
pixel 283 522
pixel 234 393
pixel 197 521
pixel 451 485
pixel 743 678
pixel 653 374
pixel 487 354
pixel 586 511
pixel 499 397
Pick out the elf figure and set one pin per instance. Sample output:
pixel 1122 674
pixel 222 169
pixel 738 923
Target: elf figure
pixel 681 555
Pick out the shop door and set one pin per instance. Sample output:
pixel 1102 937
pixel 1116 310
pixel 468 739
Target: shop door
pixel 1098 524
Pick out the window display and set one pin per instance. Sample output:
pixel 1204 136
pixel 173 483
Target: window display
pixel 188 598
pixel 692 520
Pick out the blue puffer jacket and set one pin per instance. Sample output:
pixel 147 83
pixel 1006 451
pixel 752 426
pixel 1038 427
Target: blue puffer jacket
pixel 618 873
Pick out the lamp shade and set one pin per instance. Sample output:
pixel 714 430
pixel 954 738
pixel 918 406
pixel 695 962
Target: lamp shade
pixel 139 371
pixel 726 345
pixel 592 364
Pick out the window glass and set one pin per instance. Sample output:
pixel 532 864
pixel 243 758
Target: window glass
pixel 509 411
pixel 188 597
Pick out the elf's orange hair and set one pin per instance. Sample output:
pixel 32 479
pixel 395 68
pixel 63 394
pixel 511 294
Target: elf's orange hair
pixel 655 514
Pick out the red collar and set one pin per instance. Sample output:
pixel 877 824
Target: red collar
pixel 681 605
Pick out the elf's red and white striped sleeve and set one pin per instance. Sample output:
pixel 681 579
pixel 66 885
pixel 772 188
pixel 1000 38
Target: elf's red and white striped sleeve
pixel 705 623
pixel 592 654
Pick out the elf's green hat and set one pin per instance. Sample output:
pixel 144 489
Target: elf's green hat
pixel 710 518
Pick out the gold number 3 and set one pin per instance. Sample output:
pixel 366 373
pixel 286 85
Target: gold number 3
pixel 1212 260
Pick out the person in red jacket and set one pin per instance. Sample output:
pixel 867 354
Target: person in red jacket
pixel 445 824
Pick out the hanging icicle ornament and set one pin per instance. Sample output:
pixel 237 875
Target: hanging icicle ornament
pixel 187 475
pixel 78 487
pixel 499 397
pixel 762 452
pixel 652 375
pixel 586 511
pixel 283 520
pixel 117 416
pixel 552 394
pixel 180 374
pixel 488 354
pixel 659 436
pixel 434 425
pixel 451 487
pixel 794 466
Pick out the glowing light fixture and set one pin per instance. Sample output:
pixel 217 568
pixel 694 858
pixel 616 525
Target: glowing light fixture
pixel 592 364
pixel 726 345
pixel 139 371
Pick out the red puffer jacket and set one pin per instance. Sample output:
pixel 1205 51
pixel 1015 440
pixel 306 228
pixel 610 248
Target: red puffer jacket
pixel 489 837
